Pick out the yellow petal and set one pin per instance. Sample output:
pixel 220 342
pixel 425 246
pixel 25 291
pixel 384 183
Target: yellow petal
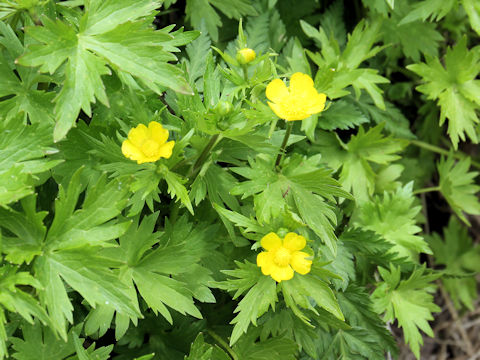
pixel 131 151
pixel 271 241
pixel 166 150
pixel 281 273
pixel 276 90
pixel 297 116
pixel 300 84
pixel 144 159
pixel 278 109
pixel 294 242
pixel 318 104
pixel 138 135
pixel 299 262
pixel 157 132
pixel 265 262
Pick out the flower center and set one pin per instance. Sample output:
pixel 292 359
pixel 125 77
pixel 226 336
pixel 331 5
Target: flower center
pixel 282 257
pixel 150 148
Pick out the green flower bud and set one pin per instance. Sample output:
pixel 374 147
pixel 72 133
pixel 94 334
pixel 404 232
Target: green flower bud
pixel 223 108
pixel 282 232
pixel 245 56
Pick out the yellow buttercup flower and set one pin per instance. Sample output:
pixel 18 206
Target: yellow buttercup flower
pixel 283 257
pixel 298 101
pixel 147 144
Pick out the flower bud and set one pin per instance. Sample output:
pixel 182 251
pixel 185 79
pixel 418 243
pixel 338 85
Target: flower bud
pixel 245 56
pixel 223 108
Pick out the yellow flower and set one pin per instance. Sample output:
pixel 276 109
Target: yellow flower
pixel 245 56
pixel 147 144
pixel 283 256
pixel 298 101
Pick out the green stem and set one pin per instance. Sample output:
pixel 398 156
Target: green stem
pixel 425 190
pixel 245 72
pixel 441 151
pixel 224 344
pixel 196 167
pixel 288 131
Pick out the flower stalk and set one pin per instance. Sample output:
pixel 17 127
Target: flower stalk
pixel 288 131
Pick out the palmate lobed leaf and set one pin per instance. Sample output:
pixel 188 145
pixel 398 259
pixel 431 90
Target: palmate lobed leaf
pixel 455 88
pixel 458 187
pixel 22 158
pixel 110 33
pixel 355 157
pixel 409 301
pixel 311 187
pixel 340 69
pixel 461 259
pixel 68 251
pixel 394 217
pixel 16 300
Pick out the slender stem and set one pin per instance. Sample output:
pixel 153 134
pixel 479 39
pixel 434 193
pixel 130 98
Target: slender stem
pixel 288 131
pixel 203 156
pixel 245 72
pixel 439 150
pixel 425 190
pixel 224 344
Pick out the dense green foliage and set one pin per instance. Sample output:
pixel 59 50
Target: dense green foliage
pixel 101 257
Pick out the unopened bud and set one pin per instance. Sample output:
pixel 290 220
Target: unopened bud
pixel 223 108
pixel 245 56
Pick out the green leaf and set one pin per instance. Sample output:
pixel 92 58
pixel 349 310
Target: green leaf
pixel 22 155
pixel 455 88
pixel 318 215
pixel 177 189
pixel 40 343
pixel 202 11
pixel 175 264
pixel 354 158
pixel 250 225
pixel 472 8
pixel 71 251
pixel 338 70
pixel 200 350
pixel 370 250
pixel 358 309
pixel 341 115
pixel 261 293
pixel 409 301
pixel 355 343
pixel 19 91
pixel 14 299
pixel 249 348
pixel 394 217
pixel 29 231
pixel 458 187
pixel 434 9
pixel 270 190
pixel 253 305
pixel 460 258
pixel 110 33
pixel 298 290
pixel 102 353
